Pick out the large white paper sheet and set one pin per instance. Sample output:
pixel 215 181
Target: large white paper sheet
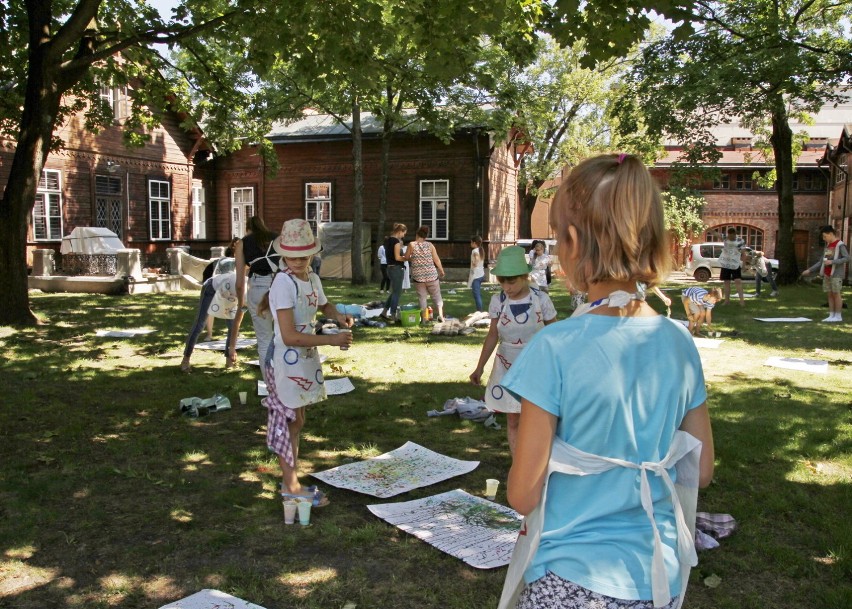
pixel 338 386
pixel 797 363
pixel 408 467
pixel 479 532
pixel 123 333
pixel 706 343
pixel 788 320
pixel 219 345
pixel 211 599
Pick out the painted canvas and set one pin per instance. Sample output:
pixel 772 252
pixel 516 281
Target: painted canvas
pixel 408 467
pixel 477 531
pixel 211 599
pixel 219 345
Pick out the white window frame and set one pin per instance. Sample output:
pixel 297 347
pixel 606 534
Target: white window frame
pixel 242 208
pixel 199 210
pixel 434 208
pixel 112 200
pixel 116 98
pixel 48 199
pixel 318 203
pixel 159 210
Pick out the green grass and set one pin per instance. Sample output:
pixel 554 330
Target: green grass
pixel 110 498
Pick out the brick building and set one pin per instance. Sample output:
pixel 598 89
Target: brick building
pixel 460 188
pixel 837 159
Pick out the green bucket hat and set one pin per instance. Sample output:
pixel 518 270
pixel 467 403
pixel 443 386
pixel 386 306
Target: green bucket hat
pixel 511 262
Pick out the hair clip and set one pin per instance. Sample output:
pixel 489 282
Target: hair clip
pixel 621 157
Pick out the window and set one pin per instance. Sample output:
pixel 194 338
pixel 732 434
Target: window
pixel 435 207
pixel 840 176
pixel 317 203
pixel 47 212
pixel 808 181
pixel 199 211
pixel 723 182
pixel 753 237
pixel 108 200
pixel 242 208
pixel 160 207
pixel 743 181
pixel 116 99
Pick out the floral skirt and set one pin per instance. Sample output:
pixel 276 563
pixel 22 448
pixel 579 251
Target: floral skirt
pixel 553 592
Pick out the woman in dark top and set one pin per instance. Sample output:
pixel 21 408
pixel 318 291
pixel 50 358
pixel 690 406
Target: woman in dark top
pixel 254 254
pixel 396 269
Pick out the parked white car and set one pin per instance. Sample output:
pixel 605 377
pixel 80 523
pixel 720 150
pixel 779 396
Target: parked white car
pixel 703 262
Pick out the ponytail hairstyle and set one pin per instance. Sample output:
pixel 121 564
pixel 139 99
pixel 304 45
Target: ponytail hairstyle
pixel 261 233
pixel 613 205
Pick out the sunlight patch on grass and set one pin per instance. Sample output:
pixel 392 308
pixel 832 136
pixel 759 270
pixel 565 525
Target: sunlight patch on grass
pixel 251 476
pixel 308 577
pixel 104 438
pixel 17 577
pixel 194 459
pixel 21 552
pixel 117 584
pixel 161 588
pixel 181 515
pixel 459 430
pixel 83 493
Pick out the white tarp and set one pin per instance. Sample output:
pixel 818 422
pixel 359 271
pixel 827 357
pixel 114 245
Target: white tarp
pixel 91 240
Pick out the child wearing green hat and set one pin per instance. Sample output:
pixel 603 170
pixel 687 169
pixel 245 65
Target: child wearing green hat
pixel 517 313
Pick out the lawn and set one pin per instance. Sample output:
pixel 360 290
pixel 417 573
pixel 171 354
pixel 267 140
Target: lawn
pixel 110 498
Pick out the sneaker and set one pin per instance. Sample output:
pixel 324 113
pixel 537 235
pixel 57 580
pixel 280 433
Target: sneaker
pixel 830 318
pixel 773 294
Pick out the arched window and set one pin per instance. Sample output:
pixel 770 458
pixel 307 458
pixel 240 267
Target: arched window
pixel 752 236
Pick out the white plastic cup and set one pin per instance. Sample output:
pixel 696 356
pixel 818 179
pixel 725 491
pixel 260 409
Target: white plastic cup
pixel 243 397
pixel 491 488
pixel 289 511
pixel 344 331
pixel 304 512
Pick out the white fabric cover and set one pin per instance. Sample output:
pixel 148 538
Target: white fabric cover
pixel 91 240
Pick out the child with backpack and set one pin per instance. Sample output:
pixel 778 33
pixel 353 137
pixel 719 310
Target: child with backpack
pixel 517 313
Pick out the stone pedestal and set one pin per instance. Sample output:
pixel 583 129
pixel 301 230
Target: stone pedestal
pixel 174 254
pixel 217 252
pixel 128 263
pixel 43 263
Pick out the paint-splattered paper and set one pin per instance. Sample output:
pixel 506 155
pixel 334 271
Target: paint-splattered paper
pixel 211 599
pixel 706 343
pixel 783 320
pixel 220 345
pixel 338 386
pixel 408 467
pixel 479 532
pixel 123 333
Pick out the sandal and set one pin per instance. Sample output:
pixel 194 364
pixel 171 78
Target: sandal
pixel 316 496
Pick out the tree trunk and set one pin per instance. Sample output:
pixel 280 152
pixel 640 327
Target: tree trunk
pixel 358 277
pixel 781 139
pixel 528 201
pixel 387 134
pixel 41 107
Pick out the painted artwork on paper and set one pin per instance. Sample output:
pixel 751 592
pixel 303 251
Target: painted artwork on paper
pixel 408 467
pixel 477 531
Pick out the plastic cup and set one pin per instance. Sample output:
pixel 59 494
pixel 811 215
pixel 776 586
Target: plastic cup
pixel 344 331
pixel 304 512
pixel 289 511
pixel 491 488
pixel 243 397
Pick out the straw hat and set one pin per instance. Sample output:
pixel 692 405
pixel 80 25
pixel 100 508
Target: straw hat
pixel 296 240
pixel 511 262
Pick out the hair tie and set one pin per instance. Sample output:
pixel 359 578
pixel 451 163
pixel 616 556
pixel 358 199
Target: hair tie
pixel 621 157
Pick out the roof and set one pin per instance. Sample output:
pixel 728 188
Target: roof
pixel 745 159
pixel 326 127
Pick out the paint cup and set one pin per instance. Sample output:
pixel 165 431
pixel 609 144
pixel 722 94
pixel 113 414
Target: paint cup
pixel 289 511
pixel 491 488
pixel 344 331
pixel 243 397
pixel 304 512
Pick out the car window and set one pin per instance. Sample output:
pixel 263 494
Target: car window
pixel 706 251
pixel 717 251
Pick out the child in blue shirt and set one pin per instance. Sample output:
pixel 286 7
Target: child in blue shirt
pixel 612 398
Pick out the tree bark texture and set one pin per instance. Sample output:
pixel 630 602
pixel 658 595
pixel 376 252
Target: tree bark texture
pixel 358 277
pixel 781 139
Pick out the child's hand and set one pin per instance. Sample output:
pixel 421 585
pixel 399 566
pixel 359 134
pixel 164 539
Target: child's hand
pixel 476 377
pixel 342 340
pixel 345 321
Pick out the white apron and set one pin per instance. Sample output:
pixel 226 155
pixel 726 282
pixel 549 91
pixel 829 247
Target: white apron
pixel 684 455
pixel 515 333
pixel 298 372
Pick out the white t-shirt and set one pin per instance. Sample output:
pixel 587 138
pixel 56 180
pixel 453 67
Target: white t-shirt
pixel 548 311
pixel 283 294
pixel 731 256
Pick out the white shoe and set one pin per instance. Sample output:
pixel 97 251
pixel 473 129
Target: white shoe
pixel 838 318
pixel 773 294
pixel 830 318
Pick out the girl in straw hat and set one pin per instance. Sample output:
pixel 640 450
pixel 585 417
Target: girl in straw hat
pixel 517 313
pixel 293 372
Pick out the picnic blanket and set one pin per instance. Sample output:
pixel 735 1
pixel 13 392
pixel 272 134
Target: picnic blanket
pixel 477 531
pixel 408 467
pixel 221 344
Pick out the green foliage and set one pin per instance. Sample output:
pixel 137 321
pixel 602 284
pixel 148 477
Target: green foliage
pixel 682 208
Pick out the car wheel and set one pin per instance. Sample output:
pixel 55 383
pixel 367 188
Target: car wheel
pixel 701 275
